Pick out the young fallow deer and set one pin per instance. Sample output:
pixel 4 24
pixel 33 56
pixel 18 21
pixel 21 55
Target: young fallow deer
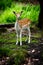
pixel 21 25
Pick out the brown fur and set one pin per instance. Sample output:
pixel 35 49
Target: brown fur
pixel 24 22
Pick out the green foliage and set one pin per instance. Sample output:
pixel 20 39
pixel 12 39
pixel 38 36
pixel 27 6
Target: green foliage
pixel 7 16
pixel 29 11
pixel 5 3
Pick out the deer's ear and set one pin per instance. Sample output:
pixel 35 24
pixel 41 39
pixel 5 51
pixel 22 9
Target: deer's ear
pixel 14 12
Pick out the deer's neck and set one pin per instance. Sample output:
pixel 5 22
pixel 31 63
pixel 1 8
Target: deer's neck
pixel 17 19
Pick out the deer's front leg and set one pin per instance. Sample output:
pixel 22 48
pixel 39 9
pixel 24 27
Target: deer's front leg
pixel 29 34
pixel 20 37
pixel 17 39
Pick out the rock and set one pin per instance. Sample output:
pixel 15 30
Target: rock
pixel 7 58
pixel 24 64
pixel 0 62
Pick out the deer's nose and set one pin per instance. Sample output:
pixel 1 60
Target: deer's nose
pixel 18 15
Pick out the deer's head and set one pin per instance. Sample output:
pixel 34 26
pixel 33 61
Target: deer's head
pixel 17 14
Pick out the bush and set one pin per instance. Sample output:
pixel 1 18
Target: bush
pixel 5 3
pixel 29 11
pixel 7 17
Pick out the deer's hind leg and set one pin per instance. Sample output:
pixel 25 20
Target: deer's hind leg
pixel 20 37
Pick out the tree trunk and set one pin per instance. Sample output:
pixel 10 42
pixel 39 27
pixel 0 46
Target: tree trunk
pixel 40 24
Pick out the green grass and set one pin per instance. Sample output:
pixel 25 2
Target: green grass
pixel 18 54
pixel 11 38
pixel 29 11
pixel 15 52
